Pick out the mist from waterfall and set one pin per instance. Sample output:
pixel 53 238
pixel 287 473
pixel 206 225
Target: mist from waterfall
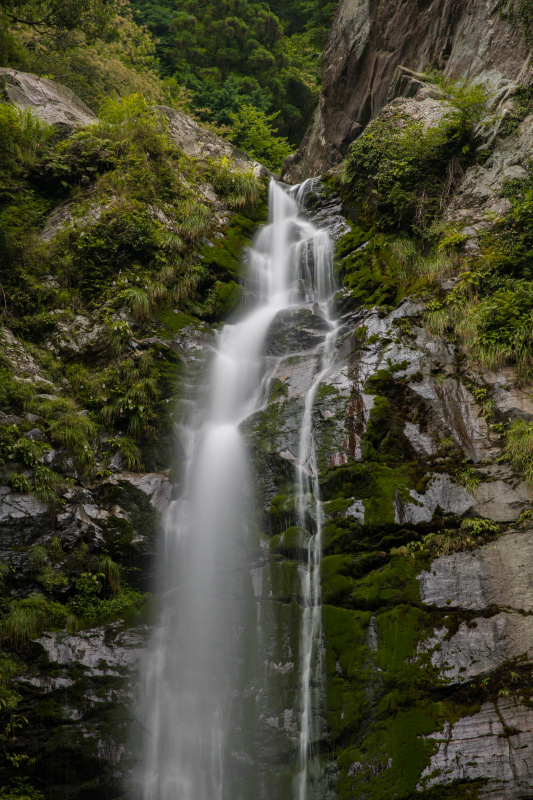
pixel 210 687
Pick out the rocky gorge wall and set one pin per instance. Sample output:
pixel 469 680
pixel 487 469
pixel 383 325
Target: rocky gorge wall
pixel 428 654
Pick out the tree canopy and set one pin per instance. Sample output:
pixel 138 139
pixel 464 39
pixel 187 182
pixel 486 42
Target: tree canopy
pixel 232 52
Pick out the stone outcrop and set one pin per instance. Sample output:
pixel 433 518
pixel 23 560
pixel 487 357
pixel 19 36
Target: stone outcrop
pixel 50 101
pixel 369 40
pixel 198 142
pixel 494 745
pixel 478 201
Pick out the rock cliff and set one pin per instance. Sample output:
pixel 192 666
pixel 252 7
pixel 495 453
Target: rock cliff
pixel 369 40
pixel 427 653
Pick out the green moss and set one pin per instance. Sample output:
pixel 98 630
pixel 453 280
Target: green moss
pixel 335 575
pixel 392 758
pixel 347 669
pixel 396 172
pixel 458 790
pixel 223 256
pixel 177 320
pixel 292 543
pixel 227 298
pixel 337 506
pixel 384 439
pixel 278 389
pixel 285 580
pixel 393 584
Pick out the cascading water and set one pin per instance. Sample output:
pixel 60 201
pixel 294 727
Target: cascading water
pixel 210 690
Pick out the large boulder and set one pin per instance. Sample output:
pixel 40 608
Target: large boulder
pixel 50 101
pixel 198 142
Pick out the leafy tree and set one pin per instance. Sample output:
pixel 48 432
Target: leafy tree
pixel 237 51
pixel 253 132
pixel 63 22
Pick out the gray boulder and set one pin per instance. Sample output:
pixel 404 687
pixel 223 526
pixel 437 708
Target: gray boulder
pixel 50 101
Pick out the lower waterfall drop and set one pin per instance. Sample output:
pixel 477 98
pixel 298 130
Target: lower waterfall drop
pixel 211 699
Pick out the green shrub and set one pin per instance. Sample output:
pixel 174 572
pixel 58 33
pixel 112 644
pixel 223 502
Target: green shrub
pixel 471 534
pixel 136 301
pixel 66 427
pixel 20 789
pixel 133 391
pixel 22 137
pixel 399 172
pixel 471 100
pixel 252 130
pixel 46 484
pixel 87 603
pixel 128 449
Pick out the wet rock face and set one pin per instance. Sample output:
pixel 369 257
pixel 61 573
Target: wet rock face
pixel 478 200
pixel 368 41
pixel 294 331
pixel 498 574
pixel 427 659
pixel 494 745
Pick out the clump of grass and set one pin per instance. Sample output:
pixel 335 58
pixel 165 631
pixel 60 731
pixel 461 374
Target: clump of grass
pixel 240 188
pixel 194 219
pixel 136 300
pixel 519 448
pixel 118 336
pixel 46 484
pixel 468 478
pixel 130 452
pixel 413 264
pixel 136 392
pixel 26 620
pixel 38 557
pixel 112 571
pixel 66 427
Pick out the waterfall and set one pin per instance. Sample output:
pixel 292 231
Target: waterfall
pixel 210 685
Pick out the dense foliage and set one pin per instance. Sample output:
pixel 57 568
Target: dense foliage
pixel 133 241
pixel 229 53
pixel 232 64
pixel 402 170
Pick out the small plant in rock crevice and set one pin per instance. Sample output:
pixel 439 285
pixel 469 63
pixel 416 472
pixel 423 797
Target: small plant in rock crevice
pixel 468 478
pixel 519 448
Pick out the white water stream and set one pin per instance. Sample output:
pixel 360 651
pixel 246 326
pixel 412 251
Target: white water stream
pixel 205 700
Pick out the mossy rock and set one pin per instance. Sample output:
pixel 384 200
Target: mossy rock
pixel 348 667
pixel 292 543
pixel 396 171
pixel 393 584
